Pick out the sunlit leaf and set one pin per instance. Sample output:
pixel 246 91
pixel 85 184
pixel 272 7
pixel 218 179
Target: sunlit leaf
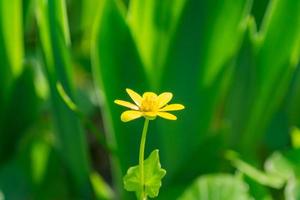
pixel 102 189
pixel 267 179
pixel 153 174
pixel 272 64
pixel 217 187
pixel 295 137
pixel 292 190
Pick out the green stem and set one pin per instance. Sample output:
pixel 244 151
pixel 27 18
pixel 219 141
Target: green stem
pixel 141 158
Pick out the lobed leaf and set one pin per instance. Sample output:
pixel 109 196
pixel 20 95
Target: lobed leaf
pixel 153 173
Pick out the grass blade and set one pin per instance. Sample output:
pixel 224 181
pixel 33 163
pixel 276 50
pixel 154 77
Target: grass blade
pixel 55 40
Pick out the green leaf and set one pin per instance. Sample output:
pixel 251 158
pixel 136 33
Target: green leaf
pixel 153 24
pixel 278 164
pixel 285 164
pixel 292 190
pixel 116 66
pixel 295 136
pixel 71 142
pixel 267 179
pixel 68 101
pixel 11 127
pixel 153 175
pixel 293 106
pixel 101 188
pixel 272 66
pixel 217 187
pixel 12 29
pixel 16 80
pixel 200 57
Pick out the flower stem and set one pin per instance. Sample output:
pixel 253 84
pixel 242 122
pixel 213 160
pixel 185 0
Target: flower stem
pixel 141 158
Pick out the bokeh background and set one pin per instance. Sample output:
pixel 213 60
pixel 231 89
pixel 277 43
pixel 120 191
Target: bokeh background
pixel 234 64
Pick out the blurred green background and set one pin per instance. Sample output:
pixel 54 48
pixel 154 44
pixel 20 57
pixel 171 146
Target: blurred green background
pixel 234 64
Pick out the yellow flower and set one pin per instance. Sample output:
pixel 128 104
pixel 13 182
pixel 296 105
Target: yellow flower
pixel 150 105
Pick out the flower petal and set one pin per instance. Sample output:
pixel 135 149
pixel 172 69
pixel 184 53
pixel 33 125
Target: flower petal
pixel 134 96
pixel 167 115
pixel 130 115
pixel 126 104
pixel 172 107
pixel 150 95
pixel 150 114
pixel 164 98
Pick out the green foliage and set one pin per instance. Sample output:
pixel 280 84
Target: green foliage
pixel 102 189
pixel 16 76
pixel 271 63
pixel 261 177
pixel 278 165
pixel 153 174
pixel 295 137
pixel 112 79
pixel 67 100
pixel 281 171
pixel 13 181
pixel 292 190
pixel 213 47
pixel 55 41
pixel 234 64
pixel 217 187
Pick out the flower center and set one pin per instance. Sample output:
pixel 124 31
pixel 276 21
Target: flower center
pixel 149 104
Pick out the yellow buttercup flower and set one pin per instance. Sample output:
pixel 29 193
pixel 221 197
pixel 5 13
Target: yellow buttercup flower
pixel 150 105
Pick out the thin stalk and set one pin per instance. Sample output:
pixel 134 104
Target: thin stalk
pixel 141 158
